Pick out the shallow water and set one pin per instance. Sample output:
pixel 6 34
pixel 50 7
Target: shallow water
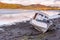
pixel 13 11
pixel 10 16
pixel 19 15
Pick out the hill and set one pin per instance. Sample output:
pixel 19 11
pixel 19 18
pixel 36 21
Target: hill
pixel 30 7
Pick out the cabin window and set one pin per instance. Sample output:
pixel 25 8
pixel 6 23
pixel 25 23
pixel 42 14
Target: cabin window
pixel 46 17
pixel 41 15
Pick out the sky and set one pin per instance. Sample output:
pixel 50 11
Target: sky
pixel 29 2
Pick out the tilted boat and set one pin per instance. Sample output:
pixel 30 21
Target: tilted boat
pixel 39 18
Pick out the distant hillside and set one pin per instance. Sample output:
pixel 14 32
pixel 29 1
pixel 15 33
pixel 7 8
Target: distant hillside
pixel 30 7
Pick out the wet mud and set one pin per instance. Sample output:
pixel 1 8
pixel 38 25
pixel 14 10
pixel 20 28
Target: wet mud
pixel 25 31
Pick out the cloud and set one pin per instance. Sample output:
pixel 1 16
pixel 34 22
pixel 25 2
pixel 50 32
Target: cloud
pixel 29 2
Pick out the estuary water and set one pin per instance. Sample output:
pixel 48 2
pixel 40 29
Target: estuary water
pixel 10 16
